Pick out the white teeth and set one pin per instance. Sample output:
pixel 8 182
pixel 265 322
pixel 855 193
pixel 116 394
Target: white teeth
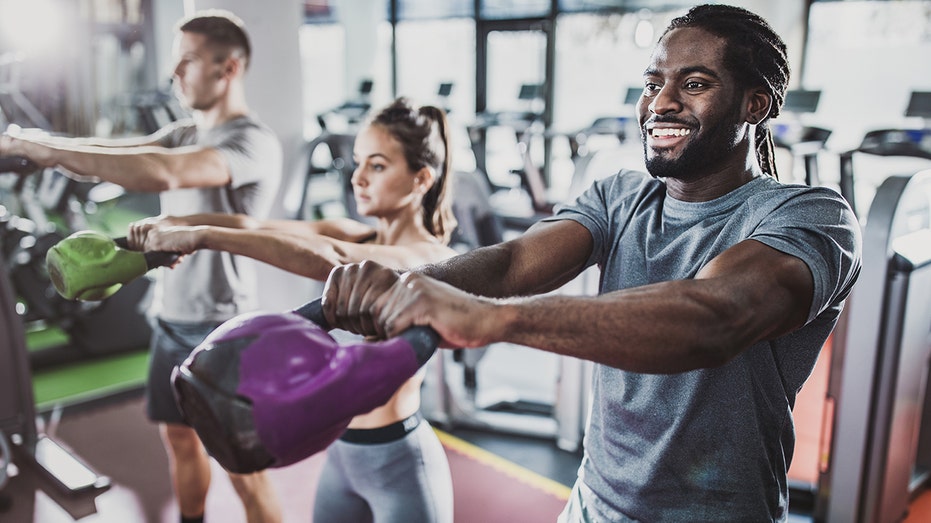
pixel 671 132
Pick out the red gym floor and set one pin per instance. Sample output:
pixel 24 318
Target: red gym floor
pixel 116 440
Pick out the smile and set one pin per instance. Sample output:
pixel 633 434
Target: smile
pixel 666 132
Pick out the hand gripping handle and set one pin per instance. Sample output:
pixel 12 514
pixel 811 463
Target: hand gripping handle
pixel 424 340
pixel 153 259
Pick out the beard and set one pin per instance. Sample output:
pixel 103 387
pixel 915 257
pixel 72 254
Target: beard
pixel 703 151
pixel 696 158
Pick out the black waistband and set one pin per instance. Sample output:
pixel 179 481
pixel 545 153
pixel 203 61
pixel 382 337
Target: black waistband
pixel 395 431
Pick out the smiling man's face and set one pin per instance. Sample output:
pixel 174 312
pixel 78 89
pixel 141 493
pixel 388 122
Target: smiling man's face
pixel 691 117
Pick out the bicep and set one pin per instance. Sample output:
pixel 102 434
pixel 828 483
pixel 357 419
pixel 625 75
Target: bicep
pixel 196 166
pixel 772 289
pixel 550 254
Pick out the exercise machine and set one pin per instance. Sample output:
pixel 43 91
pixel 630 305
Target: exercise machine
pixel 517 121
pixel 515 195
pixel 623 149
pixel 324 189
pixel 39 208
pixel 155 109
pixel 443 92
pixel 351 112
pixel 880 444
pixel 903 143
pixel 15 107
pixel 619 129
pixel 22 442
pixel 803 142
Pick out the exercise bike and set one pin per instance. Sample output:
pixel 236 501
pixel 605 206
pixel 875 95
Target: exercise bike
pixel 39 208
pixel 22 444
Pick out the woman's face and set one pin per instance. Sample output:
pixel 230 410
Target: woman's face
pixel 382 182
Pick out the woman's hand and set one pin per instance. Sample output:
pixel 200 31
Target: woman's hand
pixel 165 233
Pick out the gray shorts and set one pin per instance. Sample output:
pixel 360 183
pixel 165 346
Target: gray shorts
pixel 406 480
pixel 171 344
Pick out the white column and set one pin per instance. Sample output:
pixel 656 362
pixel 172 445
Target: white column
pixel 273 90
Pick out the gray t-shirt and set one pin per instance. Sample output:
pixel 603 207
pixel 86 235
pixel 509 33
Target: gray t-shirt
pixel 213 285
pixel 709 444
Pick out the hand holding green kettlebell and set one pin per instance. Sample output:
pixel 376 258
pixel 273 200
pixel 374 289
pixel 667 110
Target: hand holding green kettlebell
pixel 89 266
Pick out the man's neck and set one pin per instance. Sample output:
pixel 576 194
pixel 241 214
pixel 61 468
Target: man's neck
pixel 226 109
pixel 209 119
pixel 713 184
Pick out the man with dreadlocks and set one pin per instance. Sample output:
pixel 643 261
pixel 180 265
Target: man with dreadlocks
pixel 719 286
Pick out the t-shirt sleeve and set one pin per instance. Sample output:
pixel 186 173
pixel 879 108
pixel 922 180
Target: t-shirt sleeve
pixel 818 227
pixel 252 154
pixel 175 134
pixel 589 211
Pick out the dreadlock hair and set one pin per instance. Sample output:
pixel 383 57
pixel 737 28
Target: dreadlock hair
pixel 757 57
pixel 424 136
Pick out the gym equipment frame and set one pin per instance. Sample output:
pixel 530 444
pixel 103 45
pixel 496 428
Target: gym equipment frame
pixel 880 451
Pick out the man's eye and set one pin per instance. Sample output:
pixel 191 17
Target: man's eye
pixel 694 85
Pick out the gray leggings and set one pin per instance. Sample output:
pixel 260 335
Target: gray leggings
pixel 405 481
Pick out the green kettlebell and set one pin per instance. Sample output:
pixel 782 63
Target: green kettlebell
pixel 89 266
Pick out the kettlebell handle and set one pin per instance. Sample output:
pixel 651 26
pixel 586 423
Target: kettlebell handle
pixel 424 340
pixel 153 259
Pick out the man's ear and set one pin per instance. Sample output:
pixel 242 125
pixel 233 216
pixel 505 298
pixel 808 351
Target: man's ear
pixel 231 66
pixel 758 105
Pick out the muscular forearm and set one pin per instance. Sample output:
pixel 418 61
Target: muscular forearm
pixel 503 270
pixel 481 272
pixel 144 167
pixel 135 168
pixel 661 328
pixel 309 256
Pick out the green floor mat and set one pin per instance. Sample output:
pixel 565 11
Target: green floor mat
pixel 80 382
pixel 45 338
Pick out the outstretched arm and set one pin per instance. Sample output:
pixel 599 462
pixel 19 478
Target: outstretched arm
pixel 293 249
pixel 136 165
pixel 544 258
pixel 337 228
pixel 749 293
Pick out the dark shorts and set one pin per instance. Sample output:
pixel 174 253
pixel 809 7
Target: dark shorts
pixel 171 344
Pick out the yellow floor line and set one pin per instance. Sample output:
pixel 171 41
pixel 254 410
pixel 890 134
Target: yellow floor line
pixel 481 455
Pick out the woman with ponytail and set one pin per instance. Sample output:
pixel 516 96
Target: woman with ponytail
pixel 389 465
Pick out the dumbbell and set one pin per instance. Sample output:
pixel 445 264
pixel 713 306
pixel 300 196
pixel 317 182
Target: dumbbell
pixel 267 390
pixel 90 266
